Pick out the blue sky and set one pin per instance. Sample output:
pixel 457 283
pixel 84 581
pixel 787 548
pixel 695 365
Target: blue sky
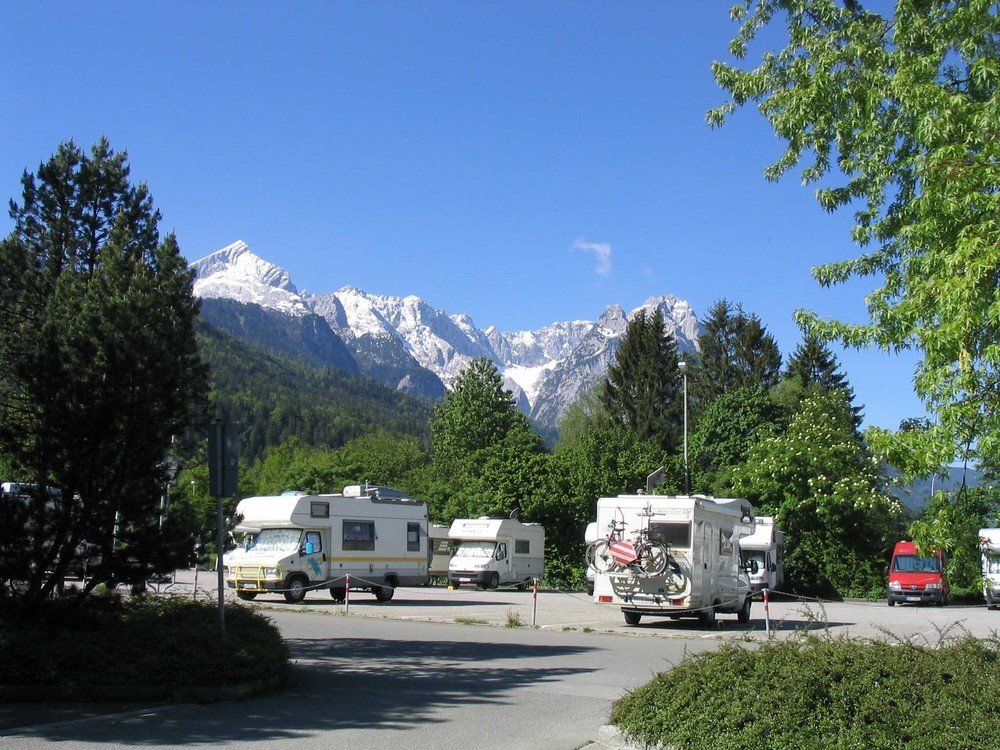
pixel 521 162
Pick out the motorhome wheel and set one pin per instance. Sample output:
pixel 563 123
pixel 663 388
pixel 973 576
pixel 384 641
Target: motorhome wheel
pixel 296 591
pixel 494 582
pixel 247 596
pixel 743 616
pixel 384 592
pixel 632 618
pixel 339 593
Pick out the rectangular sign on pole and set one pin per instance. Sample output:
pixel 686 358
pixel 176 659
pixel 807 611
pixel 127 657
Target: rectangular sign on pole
pixel 223 460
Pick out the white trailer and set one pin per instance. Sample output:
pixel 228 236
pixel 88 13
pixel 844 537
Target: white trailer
pixel 375 535
pixel 989 543
pixel 703 574
pixel 764 555
pixel 493 552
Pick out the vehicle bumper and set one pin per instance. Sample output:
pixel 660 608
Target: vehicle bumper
pixel 478 577
pixel 921 596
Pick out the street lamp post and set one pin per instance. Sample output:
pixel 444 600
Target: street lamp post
pixel 682 366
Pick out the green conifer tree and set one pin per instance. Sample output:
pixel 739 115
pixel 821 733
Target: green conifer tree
pixel 643 389
pixel 101 371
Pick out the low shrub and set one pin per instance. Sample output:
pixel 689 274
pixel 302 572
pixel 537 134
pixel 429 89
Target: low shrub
pixel 822 692
pixel 169 642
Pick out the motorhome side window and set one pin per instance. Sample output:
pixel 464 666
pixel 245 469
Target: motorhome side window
pixel 315 539
pixel 319 510
pixel 413 537
pixel 522 546
pixel 359 535
pixel 671 533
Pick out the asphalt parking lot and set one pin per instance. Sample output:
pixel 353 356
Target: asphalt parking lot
pixel 574 610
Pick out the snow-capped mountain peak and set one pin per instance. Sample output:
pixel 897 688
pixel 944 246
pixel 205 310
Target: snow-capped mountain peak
pixel 410 345
pixel 234 272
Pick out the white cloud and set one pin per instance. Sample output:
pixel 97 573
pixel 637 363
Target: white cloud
pixel 601 250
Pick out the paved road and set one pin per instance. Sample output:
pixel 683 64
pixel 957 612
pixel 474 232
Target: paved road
pixel 439 668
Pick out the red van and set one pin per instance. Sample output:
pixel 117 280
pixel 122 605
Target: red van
pixel 915 578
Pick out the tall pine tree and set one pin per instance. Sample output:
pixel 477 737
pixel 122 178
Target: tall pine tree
pixel 101 372
pixel 643 389
pixel 736 352
pixel 812 365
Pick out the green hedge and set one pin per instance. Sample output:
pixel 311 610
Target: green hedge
pixel 822 692
pixel 148 641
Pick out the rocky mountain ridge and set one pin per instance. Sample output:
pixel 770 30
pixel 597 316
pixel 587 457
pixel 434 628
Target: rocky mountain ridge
pixel 412 346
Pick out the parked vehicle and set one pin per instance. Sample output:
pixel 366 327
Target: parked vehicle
pixel 764 555
pixel 441 550
pixel 702 573
pixel 989 542
pixel 493 552
pixel 917 578
pixel 300 542
pixel 86 556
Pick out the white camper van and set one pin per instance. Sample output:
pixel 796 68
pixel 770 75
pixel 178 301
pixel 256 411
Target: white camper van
pixel 989 543
pixel 376 535
pixel 702 574
pixel 492 552
pixel 764 555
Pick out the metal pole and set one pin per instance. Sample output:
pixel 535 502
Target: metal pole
pixel 534 602
pixel 767 616
pixel 220 541
pixel 682 366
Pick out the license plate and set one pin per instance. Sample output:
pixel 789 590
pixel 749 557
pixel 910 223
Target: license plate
pixel 247 586
pixel 913 598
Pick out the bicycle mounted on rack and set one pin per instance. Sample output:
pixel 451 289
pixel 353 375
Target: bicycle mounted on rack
pixel 640 555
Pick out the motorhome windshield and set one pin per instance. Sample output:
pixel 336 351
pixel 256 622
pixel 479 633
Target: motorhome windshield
pixel 914 564
pixel 277 540
pixel 475 549
pixel 993 565
pixel 749 558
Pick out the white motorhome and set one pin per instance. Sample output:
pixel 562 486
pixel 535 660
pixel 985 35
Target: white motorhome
pixel 764 555
pixel 493 552
pixel 989 543
pixel 703 574
pixel 300 542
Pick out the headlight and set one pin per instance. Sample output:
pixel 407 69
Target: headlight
pixel 933 586
pixel 272 573
pixel 895 586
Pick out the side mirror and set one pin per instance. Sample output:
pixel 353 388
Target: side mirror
pixel 310 548
pixel 773 568
pixel 754 567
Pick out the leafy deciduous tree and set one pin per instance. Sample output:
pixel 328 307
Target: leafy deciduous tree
pixel 822 486
pixel 485 452
pixel 897 117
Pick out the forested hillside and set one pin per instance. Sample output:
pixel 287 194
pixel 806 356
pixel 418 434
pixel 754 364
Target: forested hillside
pixel 272 399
